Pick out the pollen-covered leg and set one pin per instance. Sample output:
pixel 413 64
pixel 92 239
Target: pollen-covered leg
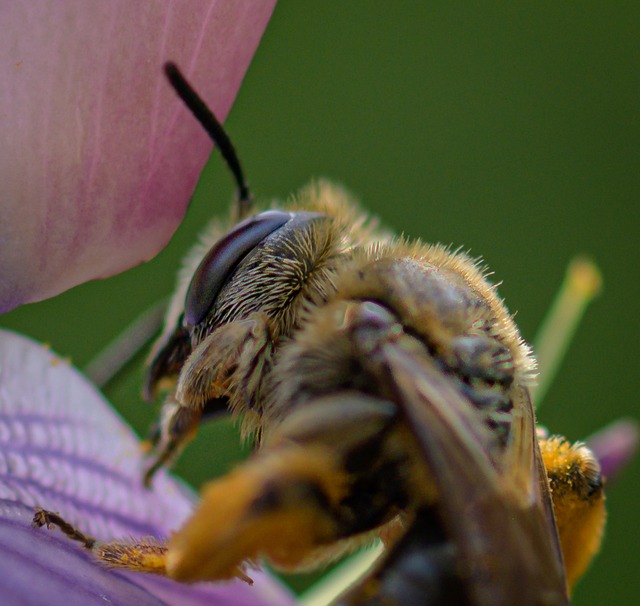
pixel 319 478
pixel 146 555
pixel 298 495
pixel 278 505
pixel 578 501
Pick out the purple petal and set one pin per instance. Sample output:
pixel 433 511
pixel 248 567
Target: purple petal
pixel 63 448
pixel 615 446
pixel 98 157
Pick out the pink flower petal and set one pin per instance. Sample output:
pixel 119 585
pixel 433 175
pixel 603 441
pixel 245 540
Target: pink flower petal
pixel 63 448
pixel 98 157
pixel 615 446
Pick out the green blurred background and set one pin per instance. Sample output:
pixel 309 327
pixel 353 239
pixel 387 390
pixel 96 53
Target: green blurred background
pixel 509 128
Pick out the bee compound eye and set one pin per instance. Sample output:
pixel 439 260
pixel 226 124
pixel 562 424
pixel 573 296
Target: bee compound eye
pixel 220 262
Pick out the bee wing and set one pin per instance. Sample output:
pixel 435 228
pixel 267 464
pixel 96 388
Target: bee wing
pixel 497 512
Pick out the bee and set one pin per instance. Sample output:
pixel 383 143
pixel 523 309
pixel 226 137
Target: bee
pixel 386 389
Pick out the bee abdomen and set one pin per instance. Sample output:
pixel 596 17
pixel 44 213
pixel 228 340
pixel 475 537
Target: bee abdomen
pixel 421 568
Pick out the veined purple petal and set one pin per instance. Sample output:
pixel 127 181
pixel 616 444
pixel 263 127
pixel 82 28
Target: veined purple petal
pixel 63 448
pixel 98 159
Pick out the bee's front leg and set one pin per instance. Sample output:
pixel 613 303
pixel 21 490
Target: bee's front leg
pixel 224 371
pixel 300 493
pixel 177 426
pixel 229 361
pixel 146 555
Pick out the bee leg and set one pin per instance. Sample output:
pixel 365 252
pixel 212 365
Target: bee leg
pixel 143 556
pixel 238 352
pixel 292 498
pixel 274 505
pixel 177 427
pixel 50 519
pixel 301 492
pixel 578 501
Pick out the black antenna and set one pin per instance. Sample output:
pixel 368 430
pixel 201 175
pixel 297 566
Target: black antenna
pixel 217 133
